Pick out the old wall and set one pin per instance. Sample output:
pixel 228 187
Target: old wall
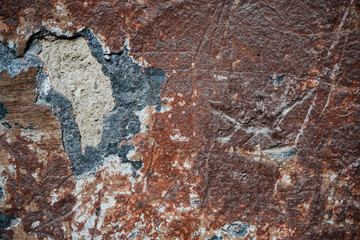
pixel 176 119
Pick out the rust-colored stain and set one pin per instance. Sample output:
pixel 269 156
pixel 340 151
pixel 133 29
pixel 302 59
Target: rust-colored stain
pixel 34 163
pixel 257 137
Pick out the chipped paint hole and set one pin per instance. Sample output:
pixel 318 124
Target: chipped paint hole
pixel 72 71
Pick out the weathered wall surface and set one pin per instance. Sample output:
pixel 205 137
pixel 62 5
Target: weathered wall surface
pixel 179 119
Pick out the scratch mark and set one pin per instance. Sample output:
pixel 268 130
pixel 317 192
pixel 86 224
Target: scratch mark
pixel 306 120
pixel 339 29
pixel 288 109
pixel 333 75
pixel 238 126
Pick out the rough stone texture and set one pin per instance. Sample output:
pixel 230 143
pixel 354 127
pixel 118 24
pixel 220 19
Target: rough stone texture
pixel 230 120
pixel 76 74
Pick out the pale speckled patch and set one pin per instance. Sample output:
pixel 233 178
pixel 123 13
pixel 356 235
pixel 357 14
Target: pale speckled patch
pixel 76 74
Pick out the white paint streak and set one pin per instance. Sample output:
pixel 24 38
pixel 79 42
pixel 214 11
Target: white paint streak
pixel 220 77
pixel 287 110
pixel 145 115
pixel 178 137
pixel 35 224
pixel 239 126
pixel 339 29
pixel 107 203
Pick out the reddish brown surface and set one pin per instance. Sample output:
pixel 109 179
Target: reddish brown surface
pixel 315 45
pixel 40 165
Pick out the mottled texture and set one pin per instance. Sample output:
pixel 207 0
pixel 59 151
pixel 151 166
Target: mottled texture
pixel 29 151
pixel 231 120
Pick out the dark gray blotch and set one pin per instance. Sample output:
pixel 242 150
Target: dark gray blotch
pixel 7 125
pixel 236 229
pixel 62 109
pixel 14 65
pixel 283 155
pixel 5 222
pixel 3 111
pixel 123 151
pixel 290 153
pixel 215 237
pixel 277 80
pixel 133 88
pixel 1 192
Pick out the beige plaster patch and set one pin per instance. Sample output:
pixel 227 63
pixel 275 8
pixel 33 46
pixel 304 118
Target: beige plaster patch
pixel 76 74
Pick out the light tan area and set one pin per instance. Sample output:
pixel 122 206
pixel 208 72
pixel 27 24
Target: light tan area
pixel 19 233
pixel 76 74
